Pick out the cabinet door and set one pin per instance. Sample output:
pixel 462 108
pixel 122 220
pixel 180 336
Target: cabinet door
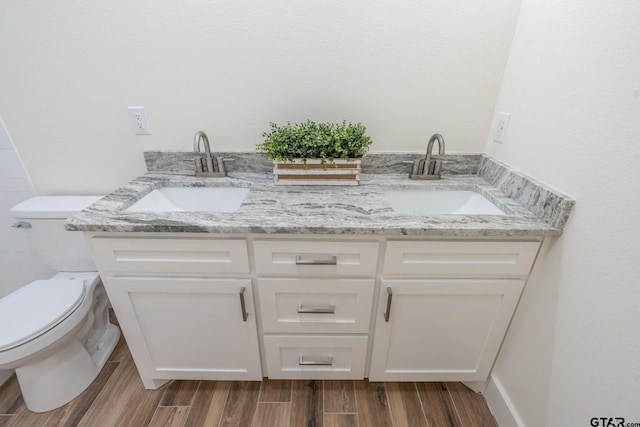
pixel 179 328
pixel 441 330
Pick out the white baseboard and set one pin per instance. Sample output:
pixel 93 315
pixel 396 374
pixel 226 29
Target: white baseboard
pixel 5 375
pixel 500 405
pixel 477 386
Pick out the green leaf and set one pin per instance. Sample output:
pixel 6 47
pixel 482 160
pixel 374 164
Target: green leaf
pixel 309 140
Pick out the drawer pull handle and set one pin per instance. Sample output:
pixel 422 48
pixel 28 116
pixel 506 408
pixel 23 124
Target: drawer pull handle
pixel 333 260
pixel 329 309
pixel 243 306
pixel 326 362
pixel 389 298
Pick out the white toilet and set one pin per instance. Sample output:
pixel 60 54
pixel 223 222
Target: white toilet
pixel 56 333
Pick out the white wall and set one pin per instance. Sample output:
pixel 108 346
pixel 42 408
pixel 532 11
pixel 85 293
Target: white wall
pixel 572 85
pixel 229 67
pixel 18 265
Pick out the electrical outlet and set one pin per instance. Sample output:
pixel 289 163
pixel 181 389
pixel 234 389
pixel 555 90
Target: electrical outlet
pixel 500 130
pixel 139 122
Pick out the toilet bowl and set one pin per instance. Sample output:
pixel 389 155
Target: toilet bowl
pixel 59 335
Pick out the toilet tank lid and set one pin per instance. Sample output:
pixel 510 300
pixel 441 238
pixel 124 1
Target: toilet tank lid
pixel 52 207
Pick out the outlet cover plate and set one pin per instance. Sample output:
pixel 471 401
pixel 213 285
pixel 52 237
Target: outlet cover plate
pixel 500 129
pixel 139 122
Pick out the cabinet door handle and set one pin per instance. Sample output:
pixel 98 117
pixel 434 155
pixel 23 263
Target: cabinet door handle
pixel 326 362
pixel 333 260
pixel 389 298
pixel 329 309
pixel 243 306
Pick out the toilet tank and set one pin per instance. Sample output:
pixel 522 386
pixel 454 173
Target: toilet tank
pixel 59 249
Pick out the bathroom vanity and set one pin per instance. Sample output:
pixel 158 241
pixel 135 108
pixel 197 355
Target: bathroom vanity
pixel 319 283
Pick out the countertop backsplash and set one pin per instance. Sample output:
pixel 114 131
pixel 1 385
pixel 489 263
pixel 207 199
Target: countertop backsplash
pixel 250 161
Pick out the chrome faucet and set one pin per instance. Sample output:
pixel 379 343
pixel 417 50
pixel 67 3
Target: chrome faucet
pixel 428 168
pixel 208 165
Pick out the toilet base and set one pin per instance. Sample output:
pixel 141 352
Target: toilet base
pixel 63 376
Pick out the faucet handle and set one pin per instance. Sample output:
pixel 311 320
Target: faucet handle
pixel 220 164
pixel 437 166
pixel 414 167
pixel 199 167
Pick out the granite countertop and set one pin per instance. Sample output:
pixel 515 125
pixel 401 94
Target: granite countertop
pixel 357 210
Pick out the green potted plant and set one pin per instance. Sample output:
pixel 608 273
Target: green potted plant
pixel 316 153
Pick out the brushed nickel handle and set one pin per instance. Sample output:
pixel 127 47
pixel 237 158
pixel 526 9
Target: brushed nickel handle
pixel 333 260
pixel 328 309
pixel 389 298
pixel 243 306
pixel 414 166
pixel 326 362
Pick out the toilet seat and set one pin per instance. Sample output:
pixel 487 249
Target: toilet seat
pixel 36 308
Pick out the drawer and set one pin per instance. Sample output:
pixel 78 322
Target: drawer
pixel 315 357
pixel 414 258
pixel 316 258
pixel 316 305
pixel 171 255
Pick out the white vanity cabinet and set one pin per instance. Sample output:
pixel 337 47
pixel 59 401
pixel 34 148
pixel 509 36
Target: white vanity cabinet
pixel 240 307
pixel 183 304
pixel 444 308
pixel 316 300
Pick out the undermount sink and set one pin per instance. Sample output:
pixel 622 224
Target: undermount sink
pixel 196 199
pixel 440 202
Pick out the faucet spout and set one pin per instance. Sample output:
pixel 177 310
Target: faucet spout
pixel 432 167
pixel 428 168
pixel 208 166
pixel 197 138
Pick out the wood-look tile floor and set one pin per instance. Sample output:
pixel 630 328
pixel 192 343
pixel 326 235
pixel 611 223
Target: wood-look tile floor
pixel 117 398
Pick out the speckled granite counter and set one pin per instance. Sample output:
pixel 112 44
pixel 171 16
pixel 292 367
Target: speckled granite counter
pixel 532 209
